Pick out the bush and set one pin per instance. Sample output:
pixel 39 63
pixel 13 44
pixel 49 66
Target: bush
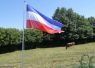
pixel 33 38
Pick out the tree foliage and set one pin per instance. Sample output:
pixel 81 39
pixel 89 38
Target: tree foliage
pixel 9 36
pixel 33 37
pixel 76 27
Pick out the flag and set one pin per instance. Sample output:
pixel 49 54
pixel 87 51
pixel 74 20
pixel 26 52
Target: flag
pixel 37 20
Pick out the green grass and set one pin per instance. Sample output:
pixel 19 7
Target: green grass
pixel 57 57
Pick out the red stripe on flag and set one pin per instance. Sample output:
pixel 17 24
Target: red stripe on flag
pixel 40 26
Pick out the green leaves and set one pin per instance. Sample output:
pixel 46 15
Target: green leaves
pixel 33 36
pixel 9 36
pixel 76 26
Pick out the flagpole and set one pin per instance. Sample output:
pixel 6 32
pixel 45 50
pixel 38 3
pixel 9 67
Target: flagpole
pixel 24 11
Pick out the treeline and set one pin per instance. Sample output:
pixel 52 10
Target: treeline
pixel 77 29
pixel 11 39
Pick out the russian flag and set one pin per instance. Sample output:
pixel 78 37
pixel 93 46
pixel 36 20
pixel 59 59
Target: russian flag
pixel 37 20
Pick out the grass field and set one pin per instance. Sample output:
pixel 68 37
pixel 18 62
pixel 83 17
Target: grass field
pixel 57 57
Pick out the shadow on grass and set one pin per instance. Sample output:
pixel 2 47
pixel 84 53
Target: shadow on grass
pixel 12 48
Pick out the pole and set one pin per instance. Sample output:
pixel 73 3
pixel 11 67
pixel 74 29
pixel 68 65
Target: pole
pixel 23 35
pixel 92 32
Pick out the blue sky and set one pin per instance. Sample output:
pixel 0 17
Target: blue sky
pixel 11 11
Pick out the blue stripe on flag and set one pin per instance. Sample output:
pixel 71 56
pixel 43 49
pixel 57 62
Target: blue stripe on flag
pixel 30 8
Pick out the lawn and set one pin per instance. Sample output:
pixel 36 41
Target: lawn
pixel 57 57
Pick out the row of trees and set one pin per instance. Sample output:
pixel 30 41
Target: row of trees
pixel 77 29
pixel 11 39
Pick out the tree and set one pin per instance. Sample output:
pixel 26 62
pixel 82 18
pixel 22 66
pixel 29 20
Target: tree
pixel 75 26
pixel 92 22
pixel 32 38
pixel 9 36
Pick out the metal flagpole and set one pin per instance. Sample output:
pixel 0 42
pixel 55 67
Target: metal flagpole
pixel 24 11
pixel 92 31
